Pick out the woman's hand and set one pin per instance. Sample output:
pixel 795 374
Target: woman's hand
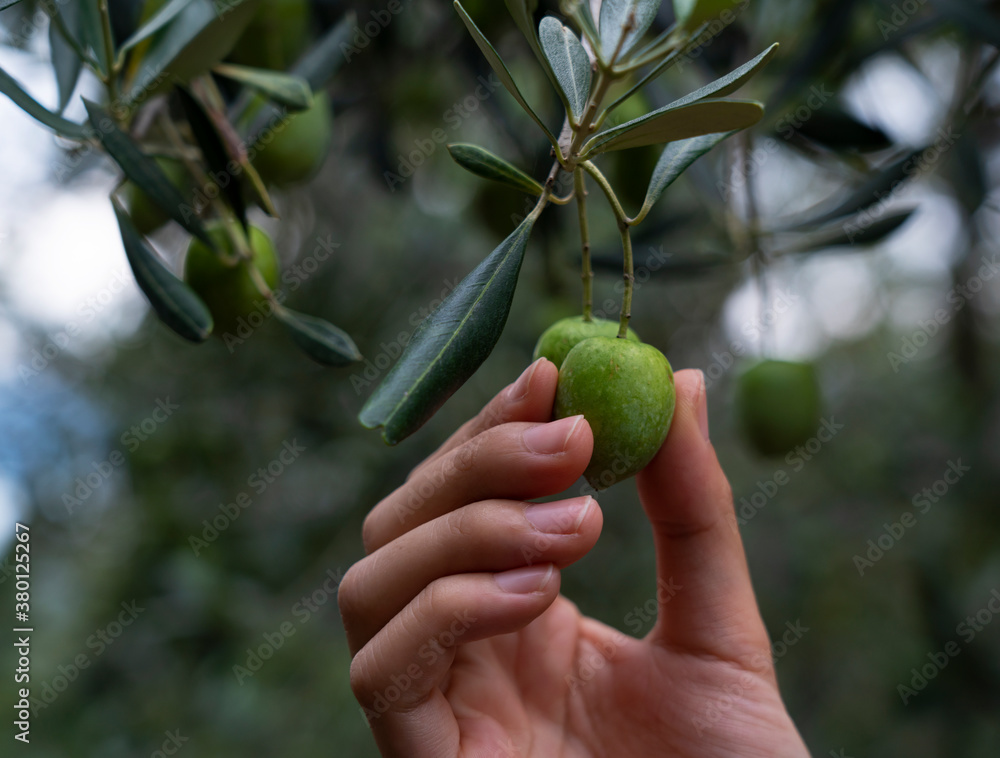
pixel 463 646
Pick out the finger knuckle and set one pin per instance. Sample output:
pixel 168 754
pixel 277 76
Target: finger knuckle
pixel 362 683
pixel 349 593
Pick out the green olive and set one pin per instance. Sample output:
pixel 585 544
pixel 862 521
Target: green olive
pixel 556 341
pixel 779 405
pixel 227 287
pixel 626 392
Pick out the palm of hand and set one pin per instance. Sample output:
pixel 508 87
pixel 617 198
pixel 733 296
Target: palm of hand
pixel 569 686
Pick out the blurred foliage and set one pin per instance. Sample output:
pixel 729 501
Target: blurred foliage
pixel 135 538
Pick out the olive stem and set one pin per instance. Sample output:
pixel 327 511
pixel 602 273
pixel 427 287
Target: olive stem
pixel 111 78
pixel 629 277
pixel 758 258
pixel 587 273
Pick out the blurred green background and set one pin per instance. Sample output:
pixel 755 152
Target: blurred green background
pixel 141 629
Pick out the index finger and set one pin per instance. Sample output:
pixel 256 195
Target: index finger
pixel 530 398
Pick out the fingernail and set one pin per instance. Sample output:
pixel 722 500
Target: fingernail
pixel 519 390
pixel 703 407
pixel 549 439
pixel 524 581
pixel 563 517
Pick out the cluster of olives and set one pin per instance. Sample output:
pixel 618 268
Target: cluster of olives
pixel 291 152
pixel 625 390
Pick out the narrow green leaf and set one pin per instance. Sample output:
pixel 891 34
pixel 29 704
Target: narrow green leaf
pixel 676 158
pixel 570 63
pixel 319 339
pixel 323 59
pixel 288 90
pixel 482 162
pixel 719 88
pixel 157 21
pixel 876 187
pixel 92 33
pixel 450 344
pixel 197 38
pixel 523 13
pixel 731 82
pixel 173 301
pixel 66 62
pixel 498 66
pixel 143 171
pixel 837 129
pixel 579 11
pixel 213 150
pixel 973 17
pixel 615 15
pixel 857 232
pixel 29 105
pixel 677 123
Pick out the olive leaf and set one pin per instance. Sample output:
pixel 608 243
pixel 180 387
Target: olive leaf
pixel 213 150
pixel 286 89
pixel 615 15
pixel 523 13
pixel 144 172
pixel 482 162
pixel 319 339
pixel 570 64
pixel 173 301
pixel 323 59
pixel 675 159
pixel 500 69
pixel 676 123
pixel 66 61
pixel 721 87
pixel 29 105
pixel 197 38
pixel 450 344
pixel 972 17
pixel 157 21
pixel 837 129
pixel 854 233
pixel 872 191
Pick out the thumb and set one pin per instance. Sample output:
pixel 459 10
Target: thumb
pixel 706 600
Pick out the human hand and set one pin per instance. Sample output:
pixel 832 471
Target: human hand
pixel 463 646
